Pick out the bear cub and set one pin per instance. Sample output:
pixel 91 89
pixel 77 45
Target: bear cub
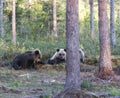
pixel 60 56
pixel 27 60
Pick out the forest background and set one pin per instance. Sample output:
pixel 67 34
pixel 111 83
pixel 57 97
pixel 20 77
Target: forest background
pixel 34 27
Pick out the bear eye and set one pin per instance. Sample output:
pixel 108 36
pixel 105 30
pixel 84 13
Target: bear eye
pixel 63 54
pixel 60 54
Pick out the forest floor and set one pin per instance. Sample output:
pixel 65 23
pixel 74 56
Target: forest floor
pixel 49 80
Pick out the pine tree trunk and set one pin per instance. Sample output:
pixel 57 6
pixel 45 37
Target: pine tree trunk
pixel 54 33
pixel 72 42
pixel 91 19
pixel 112 31
pixel 73 81
pixel 13 23
pixel 105 67
pixel 1 18
pixel 118 16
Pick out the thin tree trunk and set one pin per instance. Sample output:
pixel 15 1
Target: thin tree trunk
pixel 112 29
pixel 13 23
pixel 91 19
pixel 1 18
pixel 105 67
pixel 118 16
pixel 54 33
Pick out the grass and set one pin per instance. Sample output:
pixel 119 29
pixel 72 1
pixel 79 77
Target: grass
pixel 105 88
pixel 86 85
pixel 114 91
pixel 15 83
pixel 49 82
pixel 38 83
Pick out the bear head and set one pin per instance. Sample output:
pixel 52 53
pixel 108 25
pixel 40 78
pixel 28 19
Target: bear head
pixel 37 57
pixel 59 56
pixel 36 54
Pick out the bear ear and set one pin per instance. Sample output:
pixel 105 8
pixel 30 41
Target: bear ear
pixel 58 50
pixel 65 50
pixel 37 52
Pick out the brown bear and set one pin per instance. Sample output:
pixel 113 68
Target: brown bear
pixel 27 59
pixel 60 56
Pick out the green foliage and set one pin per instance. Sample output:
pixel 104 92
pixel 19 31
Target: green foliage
pixel 35 18
pixel 115 50
pixel 117 29
pixel 86 85
pixel 114 91
pixel 91 47
pixel 15 83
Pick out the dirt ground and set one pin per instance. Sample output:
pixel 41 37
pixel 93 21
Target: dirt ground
pixel 49 80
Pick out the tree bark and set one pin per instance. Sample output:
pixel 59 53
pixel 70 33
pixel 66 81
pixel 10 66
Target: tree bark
pixel 72 83
pixel 13 23
pixel 72 42
pixel 112 29
pixel 1 18
pixel 105 67
pixel 54 33
pixel 91 19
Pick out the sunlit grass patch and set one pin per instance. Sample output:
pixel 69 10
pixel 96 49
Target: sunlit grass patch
pixel 114 91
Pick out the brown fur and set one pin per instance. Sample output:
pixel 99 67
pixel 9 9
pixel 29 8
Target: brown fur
pixel 27 60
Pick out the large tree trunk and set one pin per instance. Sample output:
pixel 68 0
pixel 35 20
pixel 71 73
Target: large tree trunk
pixel 72 83
pixel 72 42
pixel 91 19
pixel 105 68
pixel 13 23
pixel 54 33
pixel 112 29
pixel 1 18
